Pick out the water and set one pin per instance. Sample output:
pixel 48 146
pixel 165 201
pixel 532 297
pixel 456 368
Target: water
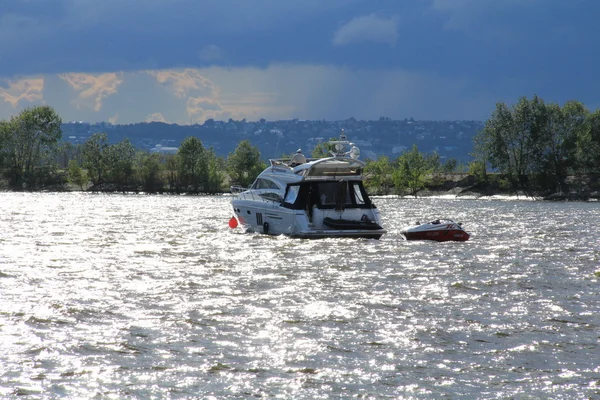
pixel 133 296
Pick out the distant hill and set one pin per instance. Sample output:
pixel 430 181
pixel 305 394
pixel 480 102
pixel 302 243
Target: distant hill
pixel 450 139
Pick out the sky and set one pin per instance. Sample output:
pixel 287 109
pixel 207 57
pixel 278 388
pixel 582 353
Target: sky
pixel 185 61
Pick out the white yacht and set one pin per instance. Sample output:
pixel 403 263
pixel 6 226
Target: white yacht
pixel 310 198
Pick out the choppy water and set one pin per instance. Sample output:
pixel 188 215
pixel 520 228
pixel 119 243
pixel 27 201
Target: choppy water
pixel 132 296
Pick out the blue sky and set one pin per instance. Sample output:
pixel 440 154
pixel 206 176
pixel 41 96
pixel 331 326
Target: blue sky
pixel 183 61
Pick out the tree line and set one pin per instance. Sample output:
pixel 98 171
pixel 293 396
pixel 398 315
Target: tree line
pixel 33 157
pixel 535 147
pixel 542 148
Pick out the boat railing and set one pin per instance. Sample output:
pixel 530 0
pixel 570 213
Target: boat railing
pixel 280 162
pixel 286 163
pixel 237 189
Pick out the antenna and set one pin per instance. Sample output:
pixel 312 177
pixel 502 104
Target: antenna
pixel 341 145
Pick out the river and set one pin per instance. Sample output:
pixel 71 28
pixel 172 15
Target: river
pixel 136 296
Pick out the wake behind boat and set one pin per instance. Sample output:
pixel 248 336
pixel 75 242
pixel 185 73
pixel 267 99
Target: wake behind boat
pixel 310 198
pixel 440 230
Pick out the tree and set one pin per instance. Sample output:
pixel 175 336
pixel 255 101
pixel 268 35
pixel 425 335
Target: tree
pixel 29 140
pixel 193 165
pixel 119 161
pixel 412 171
pixel 378 175
pixel 589 144
pixel 564 126
pixel 449 166
pixel 478 171
pixel 244 164
pixel 434 162
pixel 94 157
pixel 171 162
pixel 77 176
pixel 512 140
pixel 216 168
pixel 149 169
pixel 5 131
pixel 323 149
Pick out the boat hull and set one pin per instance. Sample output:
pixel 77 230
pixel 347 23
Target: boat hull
pixel 437 235
pixel 275 220
pixel 339 233
pixel 438 230
pixel 345 224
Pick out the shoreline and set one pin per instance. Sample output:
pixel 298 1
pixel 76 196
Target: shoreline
pixel 449 186
pixel 422 194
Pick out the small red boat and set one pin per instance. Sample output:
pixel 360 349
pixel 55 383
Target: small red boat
pixel 440 230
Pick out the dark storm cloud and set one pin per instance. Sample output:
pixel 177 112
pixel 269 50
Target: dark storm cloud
pixel 445 56
pixel 447 36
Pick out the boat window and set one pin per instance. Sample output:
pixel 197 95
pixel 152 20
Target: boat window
pixel 358 194
pixel 292 194
pixel 329 192
pixel 271 196
pixel 262 183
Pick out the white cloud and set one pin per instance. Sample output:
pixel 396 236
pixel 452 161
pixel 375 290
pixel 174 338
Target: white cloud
pixel 201 94
pixel 186 83
pixel 281 91
pixel 368 28
pixel 92 89
pixel 28 90
pixel 155 117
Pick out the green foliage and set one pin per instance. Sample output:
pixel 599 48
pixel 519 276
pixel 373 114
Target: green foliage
pixel 5 132
pixel 378 175
pixel 433 162
pixel 412 171
pixel 244 164
pixel 171 167
pixel 193 165
pixel 119 160
pixel 66 152
pixel 515 139
pixel 216 175
pixel 323 149
pixel 435 167
pixel 477 169
pixel 409 173
pixel 449 166
pixel 563 128
pixel 94 157
pixel 150 168
pixel 28 142
pixel 588 146
pixel 535 145
pixel 76 175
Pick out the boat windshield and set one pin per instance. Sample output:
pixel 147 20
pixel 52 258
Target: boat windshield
pixel 332 194
pixel 262 183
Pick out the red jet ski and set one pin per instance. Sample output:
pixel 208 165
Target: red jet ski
pixel 440 230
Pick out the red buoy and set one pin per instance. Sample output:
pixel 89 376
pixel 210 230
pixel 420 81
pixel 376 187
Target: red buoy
pixel 233 223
